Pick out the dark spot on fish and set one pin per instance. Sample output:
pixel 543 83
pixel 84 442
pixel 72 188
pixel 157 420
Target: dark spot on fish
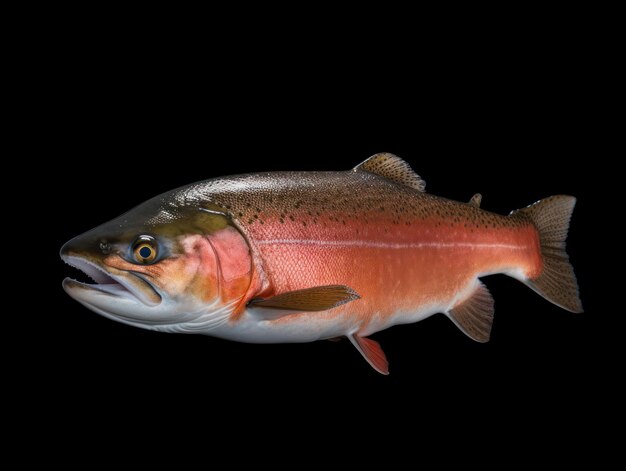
pixel 105 247
pixel 292 218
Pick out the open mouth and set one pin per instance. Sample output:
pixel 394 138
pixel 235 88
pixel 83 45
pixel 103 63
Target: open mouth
pixel 110 284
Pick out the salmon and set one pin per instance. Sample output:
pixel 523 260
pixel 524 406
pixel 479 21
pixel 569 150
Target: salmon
pixel 305 256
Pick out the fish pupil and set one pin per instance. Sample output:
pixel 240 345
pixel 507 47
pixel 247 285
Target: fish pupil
pixel 145 252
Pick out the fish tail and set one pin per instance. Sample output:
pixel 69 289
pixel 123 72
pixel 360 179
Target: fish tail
pixel 556 281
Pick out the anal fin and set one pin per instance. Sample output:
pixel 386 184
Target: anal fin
pixel 474 315
pixel 372 352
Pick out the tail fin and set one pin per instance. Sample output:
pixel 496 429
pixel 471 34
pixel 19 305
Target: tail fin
pixel 557 281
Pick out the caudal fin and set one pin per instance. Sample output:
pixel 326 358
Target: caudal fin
pixel 557 281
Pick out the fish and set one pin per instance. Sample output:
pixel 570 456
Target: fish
pixel 292 257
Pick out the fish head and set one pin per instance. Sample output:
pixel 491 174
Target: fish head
pixel 163 266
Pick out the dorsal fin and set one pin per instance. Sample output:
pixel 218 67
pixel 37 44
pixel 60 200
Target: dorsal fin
pixel 393 168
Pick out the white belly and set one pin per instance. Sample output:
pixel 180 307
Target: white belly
pixel 296 328
pixel 309 327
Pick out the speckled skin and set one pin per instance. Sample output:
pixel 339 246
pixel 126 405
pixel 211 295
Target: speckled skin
pixel 407 253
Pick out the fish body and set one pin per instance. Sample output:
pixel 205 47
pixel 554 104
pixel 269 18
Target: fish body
pixel 304 256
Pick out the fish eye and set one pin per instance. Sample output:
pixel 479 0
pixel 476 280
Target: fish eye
pixel 145 249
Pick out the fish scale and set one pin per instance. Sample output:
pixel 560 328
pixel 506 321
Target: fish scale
pixel 277 216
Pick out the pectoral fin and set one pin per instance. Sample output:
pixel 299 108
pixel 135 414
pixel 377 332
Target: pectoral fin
pixel 474 315
pixel 372 352
pixel 320 298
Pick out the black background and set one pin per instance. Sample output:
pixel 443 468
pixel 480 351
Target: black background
pixel 513 124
